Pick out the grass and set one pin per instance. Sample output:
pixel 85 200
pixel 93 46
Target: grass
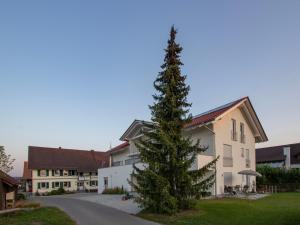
pixel 39 216
pixel 278 209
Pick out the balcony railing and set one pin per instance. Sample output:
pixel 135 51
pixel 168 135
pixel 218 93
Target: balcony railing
pixel 227 161
pixel 117 163
pixel 248 163
pixel 243 139
pixel 233 136
pixel 132 161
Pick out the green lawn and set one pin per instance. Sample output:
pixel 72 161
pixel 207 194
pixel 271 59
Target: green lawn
pixel 278 209
pixel 40 216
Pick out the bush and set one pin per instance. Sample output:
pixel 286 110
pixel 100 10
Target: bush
pixel 114 191
pixel 59 191
pixel 37 194
pixel 20 196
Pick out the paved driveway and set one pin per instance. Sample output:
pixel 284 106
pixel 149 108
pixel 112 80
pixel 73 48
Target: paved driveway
pixel 90 213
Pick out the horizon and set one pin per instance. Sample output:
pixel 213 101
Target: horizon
pixel 76 75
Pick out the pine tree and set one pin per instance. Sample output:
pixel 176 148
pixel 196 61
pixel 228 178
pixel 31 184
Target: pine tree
pixel 166 184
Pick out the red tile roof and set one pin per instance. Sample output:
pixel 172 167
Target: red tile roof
pixel 118 147
pixel 211 115
pixel 60 158
pixel 27 173
pixel 8 179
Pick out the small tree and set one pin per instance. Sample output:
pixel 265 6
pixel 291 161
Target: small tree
pixel 6 162
pixel 167 184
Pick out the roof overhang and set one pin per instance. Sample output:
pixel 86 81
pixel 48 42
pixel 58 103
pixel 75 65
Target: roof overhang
pixel 134 129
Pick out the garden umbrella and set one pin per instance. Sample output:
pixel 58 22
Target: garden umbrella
pixel 250 173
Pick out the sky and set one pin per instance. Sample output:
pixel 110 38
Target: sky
pixel 75 74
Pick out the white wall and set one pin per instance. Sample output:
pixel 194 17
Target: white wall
pixel 117 176
pixel 222 130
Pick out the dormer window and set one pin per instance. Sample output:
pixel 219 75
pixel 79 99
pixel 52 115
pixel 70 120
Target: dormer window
pixel 233 130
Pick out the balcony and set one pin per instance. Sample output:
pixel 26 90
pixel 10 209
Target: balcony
pixel 132 161
pixel 227 161
pixel 117 163
pixel 233 136
pixel 248 163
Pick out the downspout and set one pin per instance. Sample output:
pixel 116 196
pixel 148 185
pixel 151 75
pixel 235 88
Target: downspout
pixel 214 139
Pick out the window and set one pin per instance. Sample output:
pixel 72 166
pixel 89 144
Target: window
pixel 55 185
pixel 67 184
pixel 247 154
pixel 43 173
pixel 56 173
pixel 227 156
pixel 242 133
pixel 43 185
pixel 72 172
pixel 81 174
pixel 248 158
pixel 242 152
pixel 93 183
pixel 233 130
pixel 227 179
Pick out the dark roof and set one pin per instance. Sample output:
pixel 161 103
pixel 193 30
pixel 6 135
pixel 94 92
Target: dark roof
pixel 61 158
pixel 27 173
pixel 275 154
pixel 211 115
pixel 4 177
pixel 118 147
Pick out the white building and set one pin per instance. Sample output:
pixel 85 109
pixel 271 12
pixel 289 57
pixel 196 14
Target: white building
pixel 229 131
pixel 53 168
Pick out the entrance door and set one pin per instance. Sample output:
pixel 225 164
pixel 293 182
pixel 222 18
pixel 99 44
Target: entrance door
pixel 80 186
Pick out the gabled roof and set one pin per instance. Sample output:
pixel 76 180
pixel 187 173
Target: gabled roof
pixel 118 148
pixel 213 115
pixel 276 153
pixel 27 173
pixel 60 158
pixel 4 177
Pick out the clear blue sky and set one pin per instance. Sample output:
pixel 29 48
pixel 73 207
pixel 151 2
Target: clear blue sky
pixel 77 73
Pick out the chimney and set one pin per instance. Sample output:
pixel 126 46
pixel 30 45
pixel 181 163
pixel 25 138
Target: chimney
pixel 287 156
pixel 59 148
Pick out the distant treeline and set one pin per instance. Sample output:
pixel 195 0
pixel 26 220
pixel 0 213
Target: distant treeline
pixel 283 179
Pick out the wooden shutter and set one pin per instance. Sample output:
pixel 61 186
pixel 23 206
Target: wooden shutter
pixel 52 184
pixel 47 173
pixel 39 173
pixel 39 185
pixel 52 173
pixel 47 185
pixel 61 172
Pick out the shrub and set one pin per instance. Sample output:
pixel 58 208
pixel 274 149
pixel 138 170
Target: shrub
pixel 116 190
pixel 284 179
pixel 20 196
pixel 37 194
pixel 59 191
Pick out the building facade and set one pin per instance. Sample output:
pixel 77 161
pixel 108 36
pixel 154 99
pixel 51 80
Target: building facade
pixel 72 170
pixel 229 132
